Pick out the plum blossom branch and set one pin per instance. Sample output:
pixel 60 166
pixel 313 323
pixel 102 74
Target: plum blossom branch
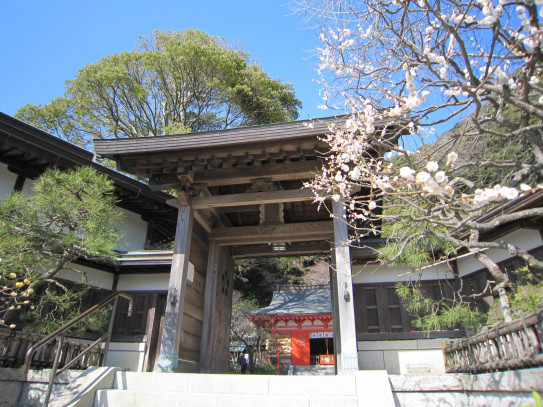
pixel 401 68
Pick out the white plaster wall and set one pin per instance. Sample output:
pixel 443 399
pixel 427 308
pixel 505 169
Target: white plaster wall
pixel 375 273
pixel 143 282
pixel 126 355
pixel 95 278
pixel 7 181
pixel 524 238
pixel 133 230
pixel 421 356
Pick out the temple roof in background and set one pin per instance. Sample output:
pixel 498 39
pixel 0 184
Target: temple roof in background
pixel 299 300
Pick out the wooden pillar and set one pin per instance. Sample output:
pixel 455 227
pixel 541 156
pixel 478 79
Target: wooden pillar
pixel 220 338
pixel 335 313
pixel 171 333
pixel 209 306
pixel 342 295
pixel 217 310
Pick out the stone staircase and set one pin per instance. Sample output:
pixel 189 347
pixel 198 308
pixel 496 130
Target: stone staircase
pixel 106 386
pixel 315 370
pixel 214 390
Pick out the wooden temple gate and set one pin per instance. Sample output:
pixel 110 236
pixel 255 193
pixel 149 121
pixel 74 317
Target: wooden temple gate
pixel 239 195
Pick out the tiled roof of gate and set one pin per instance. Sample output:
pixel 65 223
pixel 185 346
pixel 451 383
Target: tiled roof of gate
pixel 299 301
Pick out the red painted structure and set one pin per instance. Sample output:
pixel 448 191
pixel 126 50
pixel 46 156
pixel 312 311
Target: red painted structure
pixel 291 316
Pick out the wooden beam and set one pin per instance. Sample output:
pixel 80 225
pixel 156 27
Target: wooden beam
pixel 221 218
pixel 291 250
pixel 203 221
pixel 252 198
pixel 290 232
pixel 245 175
pixel 239 209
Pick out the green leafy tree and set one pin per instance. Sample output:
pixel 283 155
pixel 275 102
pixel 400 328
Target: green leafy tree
pixel 71 215
pixel 57 118
pixel 243 331
pixel 257 278
pixel 173 81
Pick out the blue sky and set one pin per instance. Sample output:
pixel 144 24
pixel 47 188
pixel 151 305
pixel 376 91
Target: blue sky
pixel 45 43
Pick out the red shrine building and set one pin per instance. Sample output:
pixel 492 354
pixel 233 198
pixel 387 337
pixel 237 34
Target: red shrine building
pixel 300 320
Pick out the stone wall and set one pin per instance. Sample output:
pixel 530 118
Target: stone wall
pixel 500 389
pixel 420 356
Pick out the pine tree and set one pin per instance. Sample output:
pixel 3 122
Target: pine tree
pixel 70 215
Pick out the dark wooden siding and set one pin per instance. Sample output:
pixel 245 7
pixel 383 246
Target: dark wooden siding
pixel 135 328
pixel 378 309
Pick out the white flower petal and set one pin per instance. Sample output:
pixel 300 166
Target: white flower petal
pixel 432 166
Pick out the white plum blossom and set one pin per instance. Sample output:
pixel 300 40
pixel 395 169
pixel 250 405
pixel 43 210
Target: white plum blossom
pixel 433 188
pixel 395 111
pixel 432 166
pixel 407 173
pixel 355 173
pixel 440 177
pixel 423 177
pixel 372 205
pixel 496 193
pixel 382 183
pixel 525 187
pixel 451 158
pixel 509 193
pixel 486 195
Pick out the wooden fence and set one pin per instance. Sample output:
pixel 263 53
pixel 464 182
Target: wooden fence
pixel 14 344
pixel 514 345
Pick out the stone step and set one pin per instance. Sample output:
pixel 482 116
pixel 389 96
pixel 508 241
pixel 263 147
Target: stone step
pixel 135 398
pixel 315 370
pixel 236 384
pixel 201 390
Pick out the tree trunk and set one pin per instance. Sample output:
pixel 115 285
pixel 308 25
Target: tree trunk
pixel 502 281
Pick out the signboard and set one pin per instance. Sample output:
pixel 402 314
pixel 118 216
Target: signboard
pixel 327 359
pixel 319 335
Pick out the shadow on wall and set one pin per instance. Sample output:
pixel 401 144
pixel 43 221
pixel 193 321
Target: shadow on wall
pixel 402 357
